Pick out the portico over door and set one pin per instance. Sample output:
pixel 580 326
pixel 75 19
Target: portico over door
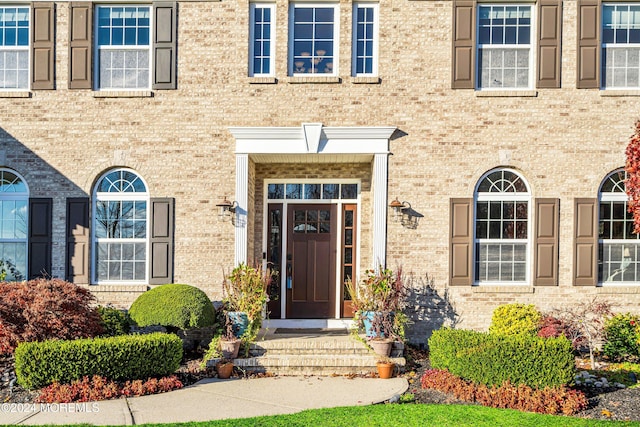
pixel 310 264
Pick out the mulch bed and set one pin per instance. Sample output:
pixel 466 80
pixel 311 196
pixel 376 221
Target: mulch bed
pixel 621 404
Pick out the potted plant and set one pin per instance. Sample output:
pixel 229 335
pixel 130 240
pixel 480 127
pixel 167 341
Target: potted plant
pixel 244 297
pixel 385 368
pixel 224 368
pixel 229 342
pixel 378 301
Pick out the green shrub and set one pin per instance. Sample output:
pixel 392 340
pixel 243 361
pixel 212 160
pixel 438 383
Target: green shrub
pixel 513 319
pixel 493 359
pixel 124 357
pixel 179 306
pixel 114 322
pixel 622 333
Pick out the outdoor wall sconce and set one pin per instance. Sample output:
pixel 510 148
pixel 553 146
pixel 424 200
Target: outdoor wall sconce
pixel 403 213
pixel 227 208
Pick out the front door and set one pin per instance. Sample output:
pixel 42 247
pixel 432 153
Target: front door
pixel 311 261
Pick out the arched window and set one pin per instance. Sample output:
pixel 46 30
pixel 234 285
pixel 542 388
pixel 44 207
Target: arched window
pixel 617 245
pixel 502 201
pixel 120 224
pixel 14 208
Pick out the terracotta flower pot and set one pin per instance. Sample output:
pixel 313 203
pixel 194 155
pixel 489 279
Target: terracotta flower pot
pixel 381 347
pixel 224 369
pixel 385 369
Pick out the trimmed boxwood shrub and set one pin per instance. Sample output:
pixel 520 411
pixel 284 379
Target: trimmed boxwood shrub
pixel 114 322
pixel 514 319
pixel 178 306
pixel 493 359
pixel 125 357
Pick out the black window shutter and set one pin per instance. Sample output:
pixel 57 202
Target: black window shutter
pixel 39 246
pixel 164 45
pixel 78 239
pixel 161 243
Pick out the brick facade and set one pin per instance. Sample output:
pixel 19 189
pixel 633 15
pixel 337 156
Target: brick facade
pixel 563 141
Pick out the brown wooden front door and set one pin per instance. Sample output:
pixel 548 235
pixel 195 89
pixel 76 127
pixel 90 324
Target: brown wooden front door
pixel 311 261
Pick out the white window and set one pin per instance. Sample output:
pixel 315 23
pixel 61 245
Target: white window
pixel 14 47
pixel 262 32
pixel 365 39
pixel 313 39
pixel 618 245
pixel 502 228
pixel 120 224
pixel 621 46
pixel 14 202
pixel 505 55
pixel 123 47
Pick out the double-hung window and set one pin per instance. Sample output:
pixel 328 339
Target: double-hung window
pixel 313 39
pixel 365 39
pixel 502 228
pixel 14 47
pixel 618 246
pixel 262 32
pixel 505 56
pixel 621 46
pixel 123 47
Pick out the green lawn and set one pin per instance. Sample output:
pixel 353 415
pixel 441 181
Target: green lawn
pixel 410 415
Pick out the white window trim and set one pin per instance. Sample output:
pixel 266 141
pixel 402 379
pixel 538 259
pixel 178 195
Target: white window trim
pixel 376 32
pixel 26 48
pixel 517 197
pixel 97 48
pixel 105 196
pixel 613 46
pixel 531 46
pixel 272 39
pixel 336 35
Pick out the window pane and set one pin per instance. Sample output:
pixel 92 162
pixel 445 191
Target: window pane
pixel 275 191
pixel 294 191
pixel 349 191
pixel 331 191
pixel 312 191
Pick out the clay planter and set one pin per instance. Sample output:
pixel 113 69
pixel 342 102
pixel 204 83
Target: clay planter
pixel 385 369
pixel 230 348
pixel 381 347
pixel 224 369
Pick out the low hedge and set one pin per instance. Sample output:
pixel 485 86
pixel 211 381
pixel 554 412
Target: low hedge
pixel 174 305
pixel 493 359
pixel 125 357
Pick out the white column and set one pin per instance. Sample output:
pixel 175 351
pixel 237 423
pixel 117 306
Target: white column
pixel 242 197
pixel 380 166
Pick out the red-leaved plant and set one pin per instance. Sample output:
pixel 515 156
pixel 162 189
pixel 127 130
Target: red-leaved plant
pixel 43 309
pixel 632 183
pixel 559 400
pixel 99 388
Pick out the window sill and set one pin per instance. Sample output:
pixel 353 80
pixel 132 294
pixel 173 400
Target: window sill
pixel 366 80
pixel 123 94
pixel 506 289
pixel 506 93
pixel 116 288
pixel 315 79
pixel 617 289
pixel 15 94
pixel 620 93
pixel 263 80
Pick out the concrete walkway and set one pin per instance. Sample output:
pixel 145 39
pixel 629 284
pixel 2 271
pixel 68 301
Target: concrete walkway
pixel 214 399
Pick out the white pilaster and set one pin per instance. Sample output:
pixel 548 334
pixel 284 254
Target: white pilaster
pixel 242 197
pixel 380 173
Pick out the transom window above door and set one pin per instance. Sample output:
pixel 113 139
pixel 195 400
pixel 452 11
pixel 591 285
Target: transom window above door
pixel 312 191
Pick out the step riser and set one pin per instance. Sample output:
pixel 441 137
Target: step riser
pixel 341 352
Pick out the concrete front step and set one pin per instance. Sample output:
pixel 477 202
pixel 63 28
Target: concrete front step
pixel 317 364
pixel 300 346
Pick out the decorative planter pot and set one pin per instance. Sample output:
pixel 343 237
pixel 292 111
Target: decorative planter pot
pixel 381 347
pixel 385 369
pixel 224 369
pixel 367 319
pixel 240 322
pixel 229 348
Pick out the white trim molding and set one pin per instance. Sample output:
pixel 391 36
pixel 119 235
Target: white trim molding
pixel 317 143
